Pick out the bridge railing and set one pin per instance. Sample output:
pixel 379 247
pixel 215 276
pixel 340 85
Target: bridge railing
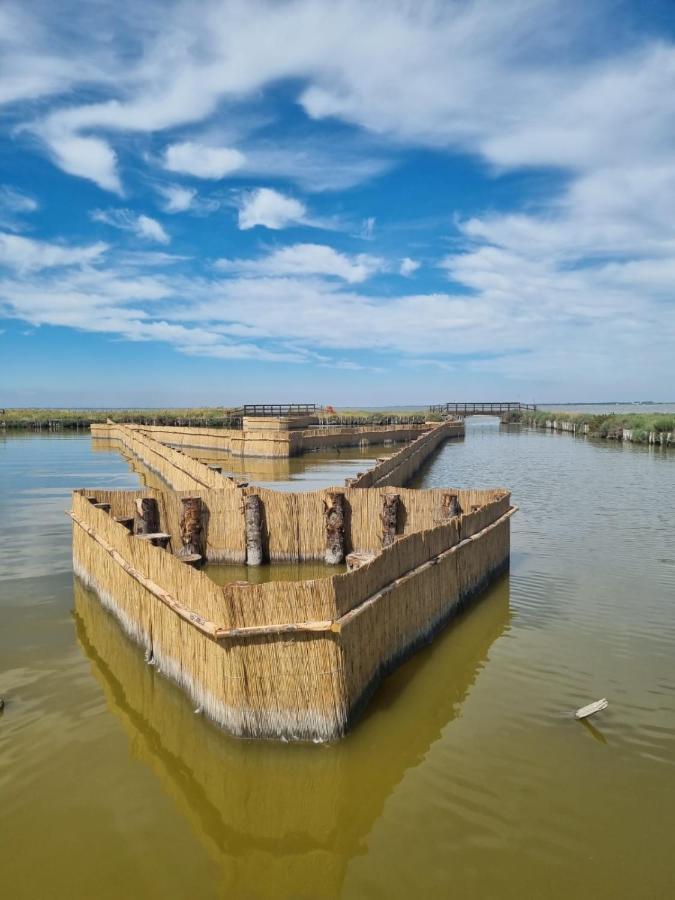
pixel 463 409
pixel 279 409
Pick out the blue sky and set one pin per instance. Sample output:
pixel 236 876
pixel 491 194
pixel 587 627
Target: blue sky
pixel 342 202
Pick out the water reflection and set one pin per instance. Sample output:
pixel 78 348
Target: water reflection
pixel 285 820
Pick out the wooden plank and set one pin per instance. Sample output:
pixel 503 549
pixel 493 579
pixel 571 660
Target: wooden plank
pixel 585 711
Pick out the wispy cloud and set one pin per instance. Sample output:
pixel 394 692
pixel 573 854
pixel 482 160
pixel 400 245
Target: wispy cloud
pixel 144 227
pixel 307 259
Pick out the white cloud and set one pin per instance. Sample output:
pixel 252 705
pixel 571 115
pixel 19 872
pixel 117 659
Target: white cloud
pixel 142 226
pixel 87 157
pixel 177 198
pixel 308 259
pixel 192 158
pixel 270 209
pixel 25 254
pixel 408 266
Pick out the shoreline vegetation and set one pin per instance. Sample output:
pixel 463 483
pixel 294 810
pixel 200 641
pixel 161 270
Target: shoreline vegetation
pixel 640 428
pixel 636 428
pixel 36 419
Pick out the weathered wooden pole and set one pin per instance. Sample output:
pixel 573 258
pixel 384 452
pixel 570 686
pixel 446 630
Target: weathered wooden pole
pixel 190 523
pixel 450 506
pixel 147 516
pixel 389 517
pixel 253 522
pixel 334 517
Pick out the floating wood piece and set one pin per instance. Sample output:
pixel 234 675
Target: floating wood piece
pixel 127 521
pixel 450 506
pixel 389 518
pixel 106 507
pixel 194 560
pixel 358 558
pixel 157 539
pixel 334 516
pixel 253 523
pixel 147 516
pixel 592 708
pixel 190 523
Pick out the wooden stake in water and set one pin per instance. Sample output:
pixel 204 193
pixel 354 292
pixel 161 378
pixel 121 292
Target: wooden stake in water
pixel 592 708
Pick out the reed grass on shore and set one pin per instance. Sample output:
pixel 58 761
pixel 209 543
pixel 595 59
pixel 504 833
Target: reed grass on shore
pixel 206 417
pixel 603 425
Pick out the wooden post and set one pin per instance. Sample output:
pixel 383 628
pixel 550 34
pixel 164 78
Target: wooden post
pixel 389 517
pixel 147 516
pixel 334 516
pixel 450 506
pixel 252 519
pixel 190 523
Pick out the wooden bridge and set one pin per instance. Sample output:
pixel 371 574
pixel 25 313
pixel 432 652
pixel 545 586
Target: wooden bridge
pixel 479 409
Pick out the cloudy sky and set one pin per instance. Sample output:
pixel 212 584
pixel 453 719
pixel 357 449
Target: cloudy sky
pixel 347 202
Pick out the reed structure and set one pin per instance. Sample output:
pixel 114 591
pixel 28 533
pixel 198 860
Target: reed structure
pixel 286 660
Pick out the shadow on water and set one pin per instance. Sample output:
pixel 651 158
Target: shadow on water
pixel 276 816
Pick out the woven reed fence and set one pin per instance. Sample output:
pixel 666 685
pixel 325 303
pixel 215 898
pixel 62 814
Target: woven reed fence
pixel 289 660
pixel 401 466
pixel 182 472
pixel 271 443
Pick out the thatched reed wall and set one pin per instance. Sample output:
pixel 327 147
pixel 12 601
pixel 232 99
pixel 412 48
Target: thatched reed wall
pixel 296 659
pixel 177 469
pixel 293 524
pixel 273 443
pixel 401 466
pixel 182 472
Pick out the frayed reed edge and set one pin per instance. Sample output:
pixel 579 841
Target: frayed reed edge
pixel 307 726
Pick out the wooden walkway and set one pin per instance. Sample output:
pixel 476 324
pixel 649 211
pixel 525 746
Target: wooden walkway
pixel 479 409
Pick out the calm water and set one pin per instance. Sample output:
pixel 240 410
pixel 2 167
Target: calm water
pixel 467 778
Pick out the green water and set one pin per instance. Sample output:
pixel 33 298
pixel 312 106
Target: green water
pixel 467 777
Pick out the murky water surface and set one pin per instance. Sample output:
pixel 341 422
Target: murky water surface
pixel 468 778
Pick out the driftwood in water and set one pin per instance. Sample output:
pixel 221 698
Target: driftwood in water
pixel 450 506
pixel 253 523
pixel 585 711
pixel 389 518
pixel 334 515
pixel 191 530
pixel 147 516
